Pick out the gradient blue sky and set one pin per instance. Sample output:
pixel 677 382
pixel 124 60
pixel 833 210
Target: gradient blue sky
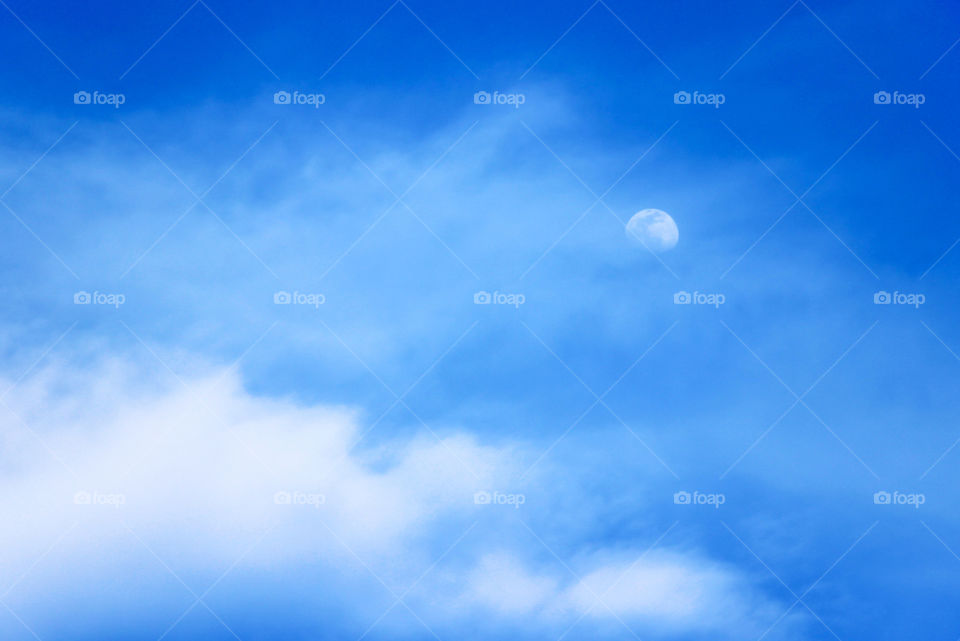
pixel 199 399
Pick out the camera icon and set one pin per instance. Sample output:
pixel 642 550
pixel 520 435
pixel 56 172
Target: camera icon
pixel 81 98
pixel 82 498
pixel 281 298
pixel 681 498
pixel 281 98
pixel 81 298
pixel 681 98
pixel 881 498
pixel 881 298
pixel 881 98
pixel 282 498
pixel 481 298
pixel 681 298
pixel 481 498
pixel 481 98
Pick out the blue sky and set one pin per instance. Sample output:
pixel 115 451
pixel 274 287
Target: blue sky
pixel 382 457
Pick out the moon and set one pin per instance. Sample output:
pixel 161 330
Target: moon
pixel 653 229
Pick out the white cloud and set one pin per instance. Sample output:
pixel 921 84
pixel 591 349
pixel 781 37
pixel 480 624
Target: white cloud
pixel 216 456
pixel 197 470
pixel 501 583
pixel 656 591
pixel 667 590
